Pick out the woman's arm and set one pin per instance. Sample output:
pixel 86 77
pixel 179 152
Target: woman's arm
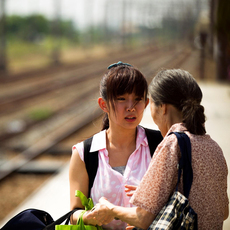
pixel 105 212
pixel 134 216
pixel 78 179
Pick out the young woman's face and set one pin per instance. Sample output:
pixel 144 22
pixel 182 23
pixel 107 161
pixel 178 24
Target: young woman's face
pixel 128 112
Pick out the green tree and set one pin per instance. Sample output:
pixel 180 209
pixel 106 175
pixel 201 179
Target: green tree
pixel 33 27
pixel 28 28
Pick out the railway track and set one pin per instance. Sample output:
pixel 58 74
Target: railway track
pixel 26 95
pixel 70 96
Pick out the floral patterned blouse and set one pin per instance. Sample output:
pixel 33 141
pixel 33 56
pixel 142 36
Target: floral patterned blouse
pixel 208 194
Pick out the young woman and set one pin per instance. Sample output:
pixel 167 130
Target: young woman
pixel 123 151
pixel 175 99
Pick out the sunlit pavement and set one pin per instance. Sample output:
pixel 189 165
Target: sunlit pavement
pixel 53 197
pixel 217 104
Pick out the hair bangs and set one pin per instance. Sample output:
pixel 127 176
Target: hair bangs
pixel 129 80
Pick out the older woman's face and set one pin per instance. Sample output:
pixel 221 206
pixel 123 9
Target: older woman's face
pixel 154 111
pixel 157 113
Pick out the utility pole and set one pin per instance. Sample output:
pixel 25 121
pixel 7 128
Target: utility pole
pixel 106 22
pixel 56 33
pixel 123 24
pixel 3 65
pixel 89 19
pixel 198 8
pixel 212 7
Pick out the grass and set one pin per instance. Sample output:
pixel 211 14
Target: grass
pixel 40 114
pixel 23 56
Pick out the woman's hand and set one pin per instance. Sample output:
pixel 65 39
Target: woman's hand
pixel 86 219
pixel 89 220
pixel 130 189
pixel 101 213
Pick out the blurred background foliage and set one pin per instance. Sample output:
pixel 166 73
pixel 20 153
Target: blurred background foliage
pixel 34 28
pixel 123 24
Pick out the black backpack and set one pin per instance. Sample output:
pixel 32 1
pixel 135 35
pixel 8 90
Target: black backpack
pixel 35 219
pixel 91 160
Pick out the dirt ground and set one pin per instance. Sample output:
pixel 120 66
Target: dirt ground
pixel 16 187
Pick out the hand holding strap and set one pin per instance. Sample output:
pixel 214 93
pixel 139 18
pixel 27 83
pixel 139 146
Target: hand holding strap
pixel 60 220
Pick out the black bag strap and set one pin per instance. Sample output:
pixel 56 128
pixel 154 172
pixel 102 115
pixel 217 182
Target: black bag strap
pixel 91 159
pixel 185 162
pixel 154 138
pixel 91 162
pixel 60 220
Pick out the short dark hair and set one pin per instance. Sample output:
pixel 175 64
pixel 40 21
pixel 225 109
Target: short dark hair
pixel 178 88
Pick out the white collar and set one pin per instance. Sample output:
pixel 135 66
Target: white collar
pixel 99 141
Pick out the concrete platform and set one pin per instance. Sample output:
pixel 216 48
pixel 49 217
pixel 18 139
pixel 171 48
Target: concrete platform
pixel 53 196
